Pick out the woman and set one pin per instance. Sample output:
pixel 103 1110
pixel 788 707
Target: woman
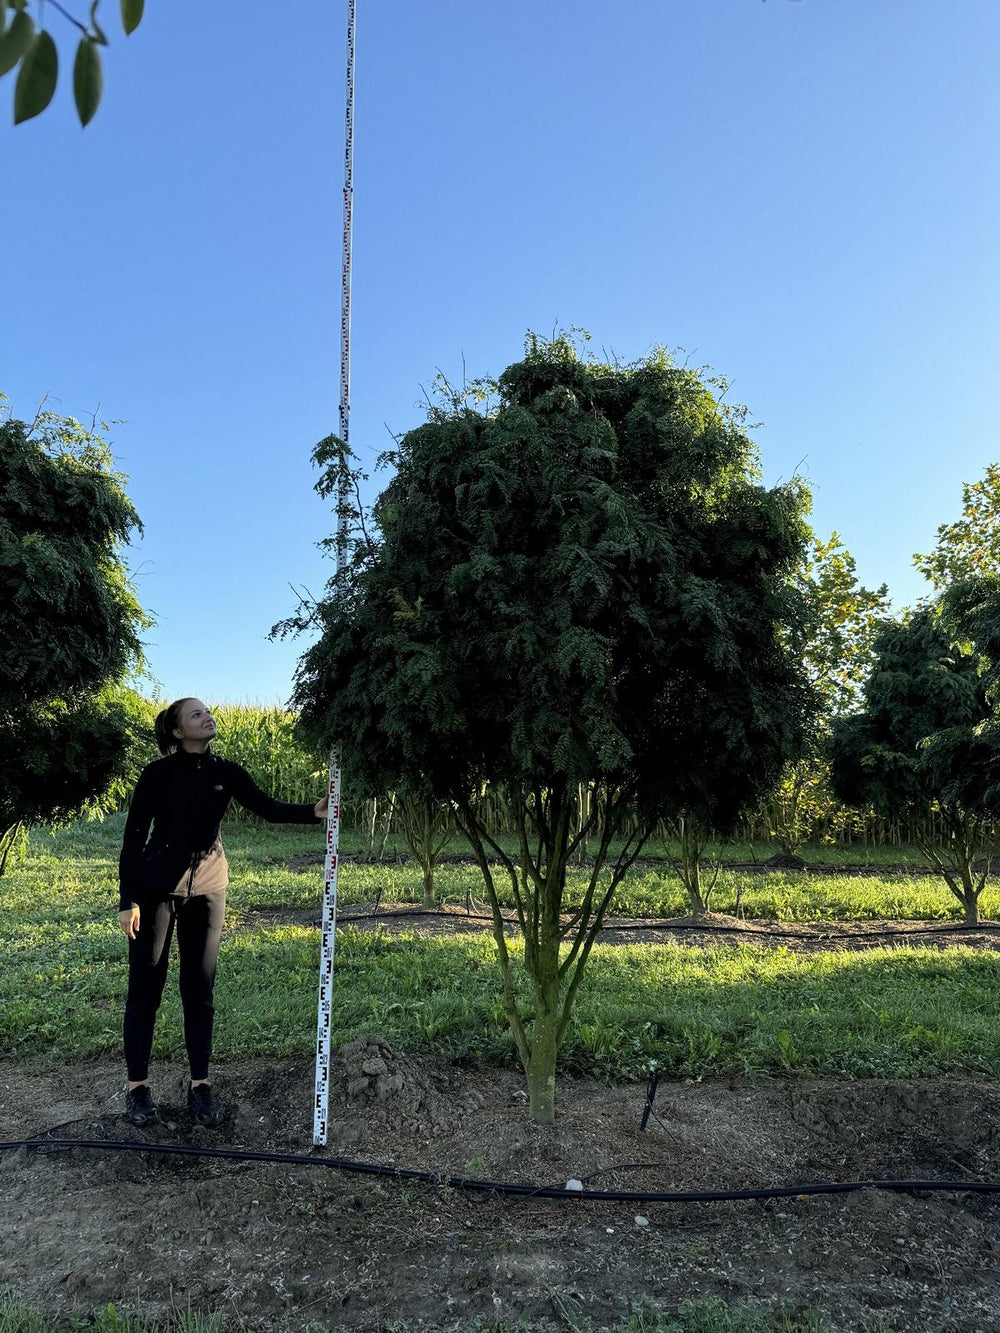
pixel 177 880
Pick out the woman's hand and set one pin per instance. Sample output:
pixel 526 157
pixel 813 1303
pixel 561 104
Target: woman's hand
pixel 129 921
pixel 320 808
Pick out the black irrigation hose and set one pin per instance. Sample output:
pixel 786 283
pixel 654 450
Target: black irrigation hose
pixel 509 1188
pixel 706 927
pixel 795 935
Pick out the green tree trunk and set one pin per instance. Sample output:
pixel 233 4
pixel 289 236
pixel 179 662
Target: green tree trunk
pixel 694 837
pixel 8 840
pixel 538 884
pixel 541 1071
pixel 427 827
pixel 965 881
pixel 430 898
pixel 969 894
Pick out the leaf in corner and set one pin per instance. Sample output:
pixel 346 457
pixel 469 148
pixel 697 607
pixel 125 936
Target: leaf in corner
pixel 131 15
pixel 15 41
pixel 87 80
pixel 36 81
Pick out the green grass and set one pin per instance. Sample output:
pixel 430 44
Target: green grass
pixel 81 861
pixel 16 1317
pixel 698 1012
pixel 697 1316
pixel 734 1008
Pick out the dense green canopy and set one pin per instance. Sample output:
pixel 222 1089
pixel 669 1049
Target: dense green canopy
pixel 69 619
pixel 585 583
pixel 69 622
pixel 922 687
pixel 926 738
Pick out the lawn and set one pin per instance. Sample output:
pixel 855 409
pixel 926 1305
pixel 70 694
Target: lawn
pixel 730 1009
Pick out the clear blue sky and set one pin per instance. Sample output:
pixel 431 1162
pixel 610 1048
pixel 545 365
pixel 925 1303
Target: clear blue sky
pixel 801 194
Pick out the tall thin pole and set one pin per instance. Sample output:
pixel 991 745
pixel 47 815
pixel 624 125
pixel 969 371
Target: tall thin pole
pixel 331 863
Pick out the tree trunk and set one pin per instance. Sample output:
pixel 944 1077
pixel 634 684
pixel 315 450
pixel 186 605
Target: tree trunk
pixel 380 854
pixel 961 877
pixel 430 898
pixel 583 813
pixel 969 896
pixel 370 838
pixel 538 883
pixel 692 846
pixel 8 837
pixel 541 1071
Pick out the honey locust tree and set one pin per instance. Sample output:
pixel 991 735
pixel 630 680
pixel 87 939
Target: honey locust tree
pixel 844 620
pixel 922 740
pixel 69 623
pixel 970 546
pixel 580 581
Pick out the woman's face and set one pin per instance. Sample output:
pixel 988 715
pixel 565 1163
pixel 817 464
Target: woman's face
pixel 195 722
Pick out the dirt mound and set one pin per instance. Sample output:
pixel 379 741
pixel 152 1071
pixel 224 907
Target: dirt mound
pixel 369 1079
pixel 785 861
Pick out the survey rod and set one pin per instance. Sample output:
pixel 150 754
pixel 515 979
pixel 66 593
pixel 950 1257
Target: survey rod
pixel 331 861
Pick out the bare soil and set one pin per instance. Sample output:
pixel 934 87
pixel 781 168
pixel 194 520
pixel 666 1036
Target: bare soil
pixel 714 928
pixel 293 1246
pixel 781 862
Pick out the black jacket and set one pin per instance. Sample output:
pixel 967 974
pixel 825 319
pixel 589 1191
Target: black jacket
pixel 184 797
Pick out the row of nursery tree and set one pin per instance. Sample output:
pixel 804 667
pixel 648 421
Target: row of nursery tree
pixel 576 597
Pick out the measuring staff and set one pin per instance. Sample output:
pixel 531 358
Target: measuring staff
pixel 177 880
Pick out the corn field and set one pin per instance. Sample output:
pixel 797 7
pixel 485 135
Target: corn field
pixel 264 740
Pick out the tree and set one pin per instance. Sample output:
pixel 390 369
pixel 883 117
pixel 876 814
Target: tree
pixel 578 579
pixel 845 619
pixel 30 49
pixel 970 547
pixel 69 622
pixel 427 826
pixel 916 746
pixel 970 611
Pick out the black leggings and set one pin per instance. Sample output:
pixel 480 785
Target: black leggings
pixel 199 929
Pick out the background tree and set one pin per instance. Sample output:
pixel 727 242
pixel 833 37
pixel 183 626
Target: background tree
pixel 427 826
pixel 845 619
pixel 28 50
pixel 69 622
pixel 970 611
pixel 970 547
pixel 915 747
pixel 579 581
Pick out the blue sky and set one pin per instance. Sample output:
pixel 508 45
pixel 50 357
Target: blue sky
pixel 799 193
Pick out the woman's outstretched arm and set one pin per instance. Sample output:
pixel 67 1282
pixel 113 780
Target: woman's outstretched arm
pixel 250 796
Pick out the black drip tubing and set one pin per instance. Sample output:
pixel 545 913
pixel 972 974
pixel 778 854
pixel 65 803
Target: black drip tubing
pixel 510 1188
pixel 708 928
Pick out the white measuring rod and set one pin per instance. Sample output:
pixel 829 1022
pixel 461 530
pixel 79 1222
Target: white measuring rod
pixel 331 865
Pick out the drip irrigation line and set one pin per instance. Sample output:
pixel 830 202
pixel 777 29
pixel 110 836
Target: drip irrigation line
pixel 709 928
pixel 511 1188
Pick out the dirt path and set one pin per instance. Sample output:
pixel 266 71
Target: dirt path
pixel 800 937
pixel 285 1246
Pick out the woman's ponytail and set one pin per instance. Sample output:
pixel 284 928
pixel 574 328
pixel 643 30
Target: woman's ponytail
pixel 166 722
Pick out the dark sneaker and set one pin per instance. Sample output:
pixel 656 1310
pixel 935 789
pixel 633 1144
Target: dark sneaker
pixel 204 1106
pixel 140 1109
